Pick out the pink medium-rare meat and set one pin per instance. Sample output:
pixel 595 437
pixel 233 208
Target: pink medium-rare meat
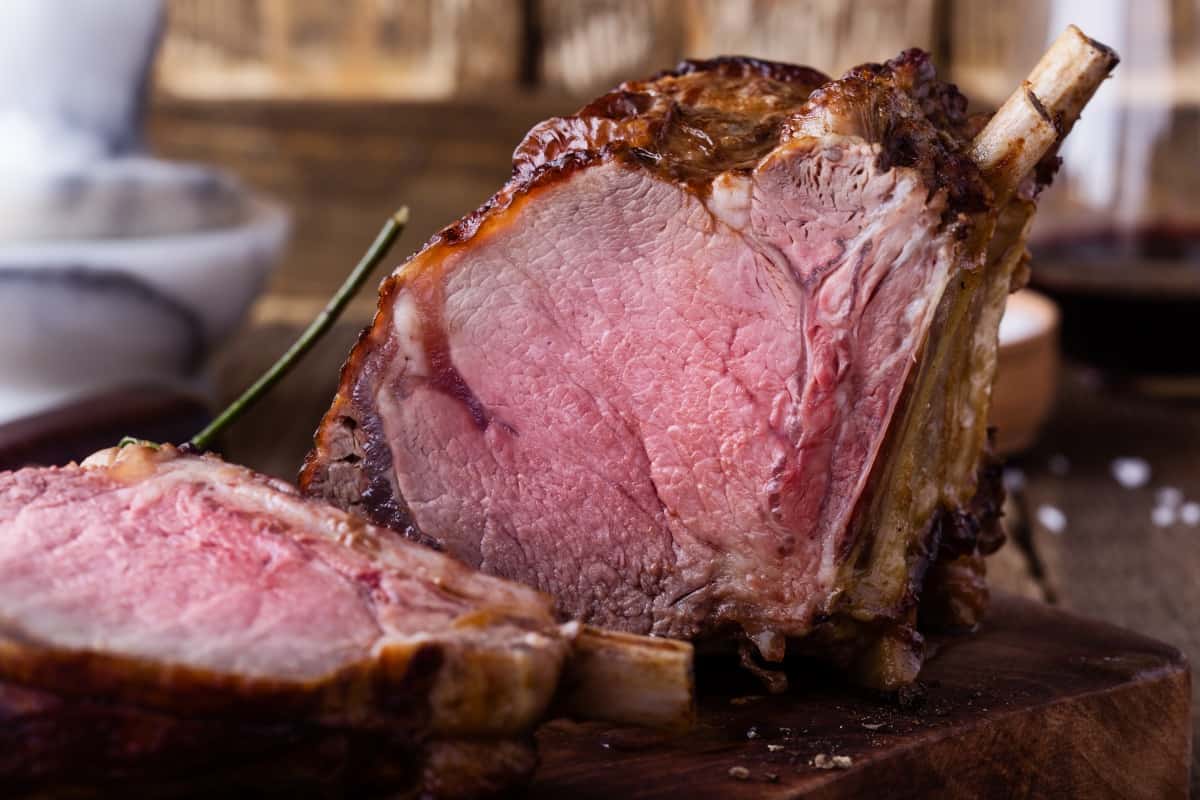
pixel 227 579
pixel 715 361
pixel 175 618
pixel 697 470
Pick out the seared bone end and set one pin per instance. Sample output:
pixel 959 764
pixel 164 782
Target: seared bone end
pixel 628 679
pixel 1045 107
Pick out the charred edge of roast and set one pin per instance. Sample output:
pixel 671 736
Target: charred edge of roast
pixel 691 130
pixel 980 528
pixel 351 465
pixel 955 594
pixel 932 142
pixel 466 228
pixel 83 674
pixel 883 655
pixel 351 462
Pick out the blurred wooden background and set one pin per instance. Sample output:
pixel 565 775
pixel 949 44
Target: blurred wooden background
pixel 407 49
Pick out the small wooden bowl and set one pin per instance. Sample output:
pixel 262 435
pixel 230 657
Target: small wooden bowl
pixel 1027 372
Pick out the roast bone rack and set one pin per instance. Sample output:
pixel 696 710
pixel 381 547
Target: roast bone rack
pixel 629 679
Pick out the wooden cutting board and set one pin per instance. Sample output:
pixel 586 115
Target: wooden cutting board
pixel 1037 704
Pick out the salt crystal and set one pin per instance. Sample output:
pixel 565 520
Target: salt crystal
pixel 739 773
pixel 1014 479
pixel 1163 516
pixel 774 748
pixel 1132 473
pixel 824 761
pixel 1169 496
pixel 1052 518
pixel 1059 465
pixel 1189 514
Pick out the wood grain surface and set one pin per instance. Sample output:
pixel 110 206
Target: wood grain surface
pixel 1038 704
pixel 1112 560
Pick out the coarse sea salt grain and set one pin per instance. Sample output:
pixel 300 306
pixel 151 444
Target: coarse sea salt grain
pixel 1189 514
pixel 1052 519
pixel 1169 496
pixel 1163 516
pixel 1132 473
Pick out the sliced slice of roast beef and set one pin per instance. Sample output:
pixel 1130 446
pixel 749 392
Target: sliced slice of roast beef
pixel 716 360
pixel 173 618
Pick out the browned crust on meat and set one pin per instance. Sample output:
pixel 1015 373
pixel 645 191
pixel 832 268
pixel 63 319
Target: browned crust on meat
pixel 351 462
pixel 396 696
pixel 954 594
pixel 918 121
pixel 689 124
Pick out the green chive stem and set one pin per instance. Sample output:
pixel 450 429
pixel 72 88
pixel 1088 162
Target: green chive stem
pixel 316 329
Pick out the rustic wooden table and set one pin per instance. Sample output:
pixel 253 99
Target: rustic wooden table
pixel 343 168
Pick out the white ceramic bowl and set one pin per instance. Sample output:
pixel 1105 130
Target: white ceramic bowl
pixel 86 315
pixel 118 198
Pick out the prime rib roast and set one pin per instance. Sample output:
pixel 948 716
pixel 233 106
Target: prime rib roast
pixel 715 363
pixel 179 624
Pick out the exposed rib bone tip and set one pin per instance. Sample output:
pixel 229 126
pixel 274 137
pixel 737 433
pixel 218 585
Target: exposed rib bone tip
pixel 629 679
pixel 1042 110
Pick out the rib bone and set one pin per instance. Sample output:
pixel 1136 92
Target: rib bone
pixel 620 677
pixel 1038 114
